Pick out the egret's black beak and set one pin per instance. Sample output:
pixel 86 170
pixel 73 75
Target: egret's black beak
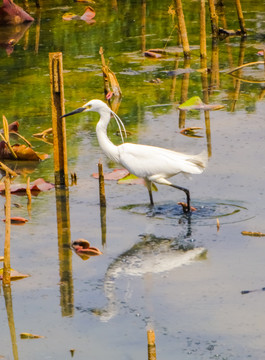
pixel 76 111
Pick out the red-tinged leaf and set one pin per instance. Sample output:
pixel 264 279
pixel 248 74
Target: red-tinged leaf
pixel 83 249
pixel 109 95
pixel 41 185
pixel 185 207
pixel 191 131
pixel 17 220
pixel 36 186
pixel 13 127
pixel 152 54
pixel 12 14
pixel 89 14
pixel 14 274
pixel 116 174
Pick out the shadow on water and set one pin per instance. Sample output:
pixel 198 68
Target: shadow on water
pixel 205 211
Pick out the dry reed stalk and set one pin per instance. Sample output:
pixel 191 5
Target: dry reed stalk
pixel 102 196
pixel 58 123
pixel 151 345
pixel 203 51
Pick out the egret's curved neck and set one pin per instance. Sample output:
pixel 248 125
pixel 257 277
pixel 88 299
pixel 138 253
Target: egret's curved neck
pixel 106 145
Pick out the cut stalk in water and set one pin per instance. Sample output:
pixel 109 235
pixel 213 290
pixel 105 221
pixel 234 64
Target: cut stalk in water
pixel 102 196
pixel 7 269
pixel 58 123
pixel 203 51
pixel 151 345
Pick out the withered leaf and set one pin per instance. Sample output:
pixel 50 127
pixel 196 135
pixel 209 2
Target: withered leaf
pixel 36 186
pixel 30 336
pixel 14 274
pixel 116 174
pixel 17 220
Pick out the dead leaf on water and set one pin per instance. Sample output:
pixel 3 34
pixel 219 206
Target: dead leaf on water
pixel 83 249
pixel 152 54
pixel 15 275
pixel 116 174
pixel 195 103
pixel 190 131
pixel 88 15
pixel 25 335
pixel 17 220
pixel 36 186
pixel 22 152
pixel 252 233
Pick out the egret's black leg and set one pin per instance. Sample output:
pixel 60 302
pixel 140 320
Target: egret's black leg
pixel 149 188
pixel 151 197
pixel 186 191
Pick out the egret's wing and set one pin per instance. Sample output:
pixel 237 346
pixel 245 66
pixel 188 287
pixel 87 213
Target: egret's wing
pixel 145 161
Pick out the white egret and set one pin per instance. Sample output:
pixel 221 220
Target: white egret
pixel 153 164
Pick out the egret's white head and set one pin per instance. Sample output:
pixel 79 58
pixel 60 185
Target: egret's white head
pixel 104 111
pixel 93 105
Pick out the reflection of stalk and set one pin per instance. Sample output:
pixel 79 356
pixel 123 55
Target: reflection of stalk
pixel 37 39
pixel 182 28
pixel 214 18
pixel 65 255
pixel 238 81
pixel 240 18
pixel 143 26
pixel 102 199
pixel 174 79
pixel 184 93
pixel 10 316
pixel 215 64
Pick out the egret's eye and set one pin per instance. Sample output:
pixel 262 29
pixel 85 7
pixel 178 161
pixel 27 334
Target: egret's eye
pixel 88 106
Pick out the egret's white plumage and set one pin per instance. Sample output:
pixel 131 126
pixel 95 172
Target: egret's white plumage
pixel 152 163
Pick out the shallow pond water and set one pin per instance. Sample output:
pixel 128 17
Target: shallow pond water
pixel 102 307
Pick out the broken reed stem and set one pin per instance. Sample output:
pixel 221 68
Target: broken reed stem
pixel 58 123
pixel 7 270
pixel 240 17
pixel 214 18
pixel 203 51
pixel 151 345
pixel 102 196
pixel 182 28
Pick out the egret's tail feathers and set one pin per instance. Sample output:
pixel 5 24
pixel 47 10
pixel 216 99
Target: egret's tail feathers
pixel 201 160
pixel 197 163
